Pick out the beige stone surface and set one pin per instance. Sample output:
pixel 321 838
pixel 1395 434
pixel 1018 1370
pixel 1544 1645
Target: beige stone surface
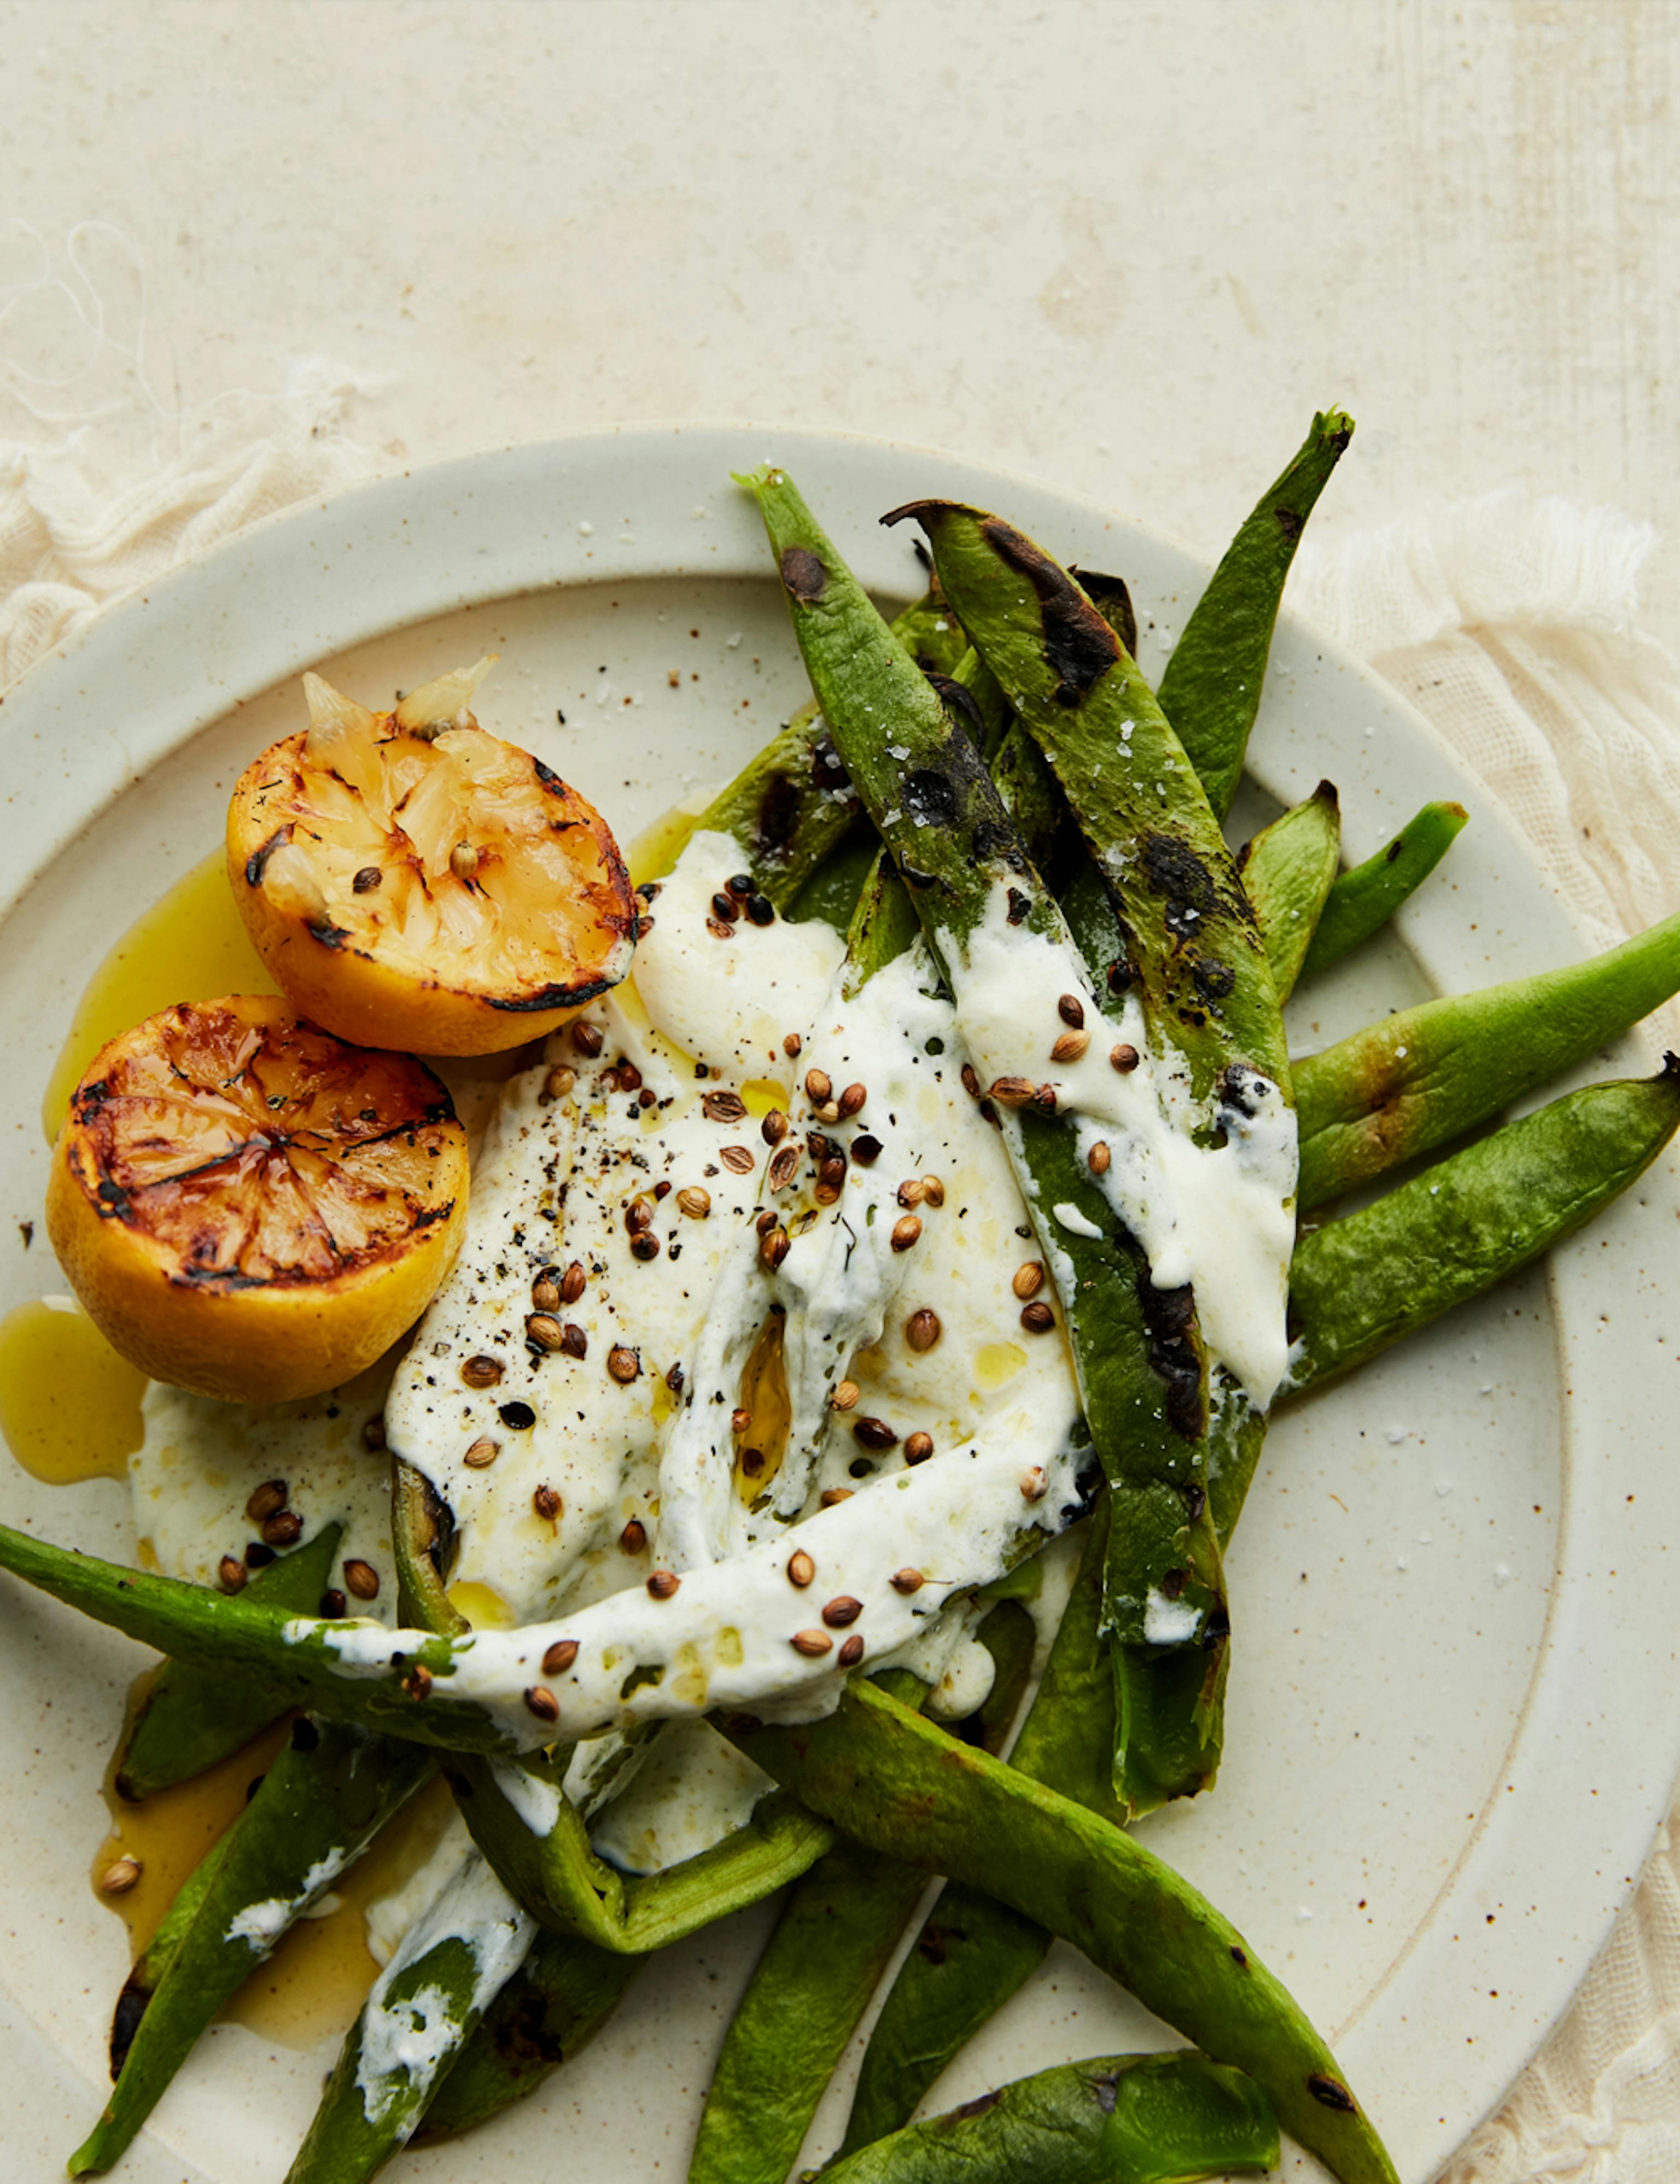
pixel 1126 246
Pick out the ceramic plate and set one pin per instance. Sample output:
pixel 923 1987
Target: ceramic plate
pixel 1451 1726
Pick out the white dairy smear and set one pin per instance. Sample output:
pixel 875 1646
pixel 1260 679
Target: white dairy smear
pixel 201 1460
pixel 406 2038
pixel 1218 1216
pixel 695 1790
pixel 389 1917
pixel 262 1925
pixel 559 1185
pixel 1168 1622
pixel 839 1280
pixel 726 1636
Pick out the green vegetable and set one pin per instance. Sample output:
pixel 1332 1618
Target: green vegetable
pixel 549 2011
pixel 1211 690
pixel 145 1975
pixel 882 926
pixel 423 2009
pixel 894 1781
pixel 1196 957
pixel 1116 2119
pixel 1362 901
pixel 190 1719
pixel 787 807
pixel 321 1803
pixel 832 1943
pixel 1356 1287
pixel 974 1950
pixel 1143 1374
pixel 1287 873
pixel 1454 1230
pixel 1411 1081
pixel 1191 952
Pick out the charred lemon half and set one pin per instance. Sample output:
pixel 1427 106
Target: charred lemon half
pixel 411 881
pixel 249 1207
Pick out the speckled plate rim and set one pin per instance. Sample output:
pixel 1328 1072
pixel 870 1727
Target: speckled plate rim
pixel 620 505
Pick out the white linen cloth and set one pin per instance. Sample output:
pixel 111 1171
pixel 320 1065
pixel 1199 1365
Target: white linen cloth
pixel 1510 621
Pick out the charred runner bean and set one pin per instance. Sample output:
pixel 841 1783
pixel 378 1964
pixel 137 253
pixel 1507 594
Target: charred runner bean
pixel 788 808
pixel 145 1975
pixel 1211 688
pixel 320 1805
pixel 1196 959
pixel 1411 1081
pixel 895 1782
pixel 1142 1373
pixel 548 2012
pixel 423 2009
pixel 1288 872
pixel 1116 2119
pixel 1362 901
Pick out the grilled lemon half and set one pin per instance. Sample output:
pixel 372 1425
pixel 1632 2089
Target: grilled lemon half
pixel 249 1207
pixel 411 881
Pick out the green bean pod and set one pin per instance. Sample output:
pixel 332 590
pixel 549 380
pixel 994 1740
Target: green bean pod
pixel 883 926
pixel 534 1838
pixel 422 2010
pixel 1452 1231
pixel 1363 900
pixel 895 1781
pixel 1115 2120
pixel 321 1803
pixel 787 807
pixel 1211 688
pixel 1191 951
pixel 974 1950
pixel 1196 955
pixel 189 1720
pixel 1359 1285
pixel 1142 1371
pixel 1414 1080
pixel 548 2012
pixel 831 1945
pixel 145 1974
pixel 1287 873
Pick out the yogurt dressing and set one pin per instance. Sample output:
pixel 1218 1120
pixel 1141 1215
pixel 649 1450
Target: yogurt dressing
pixel 1218 1215
pixel 406 2039
pixel 641 1461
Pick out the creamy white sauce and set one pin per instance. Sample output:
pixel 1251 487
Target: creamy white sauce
pixel 725 1637
pixel 389 1917
pixel 841 1276
pixel 406 2040
pixel 201 1460
pixel 730 1003
pixel 552 1188
pixel 263 1924
pixel 1219 1216
pixel 695 1790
